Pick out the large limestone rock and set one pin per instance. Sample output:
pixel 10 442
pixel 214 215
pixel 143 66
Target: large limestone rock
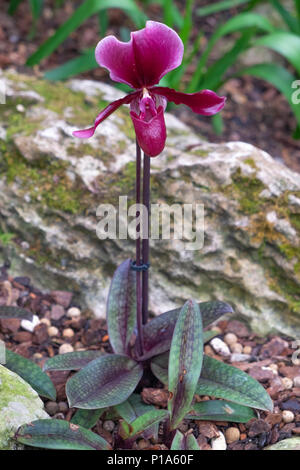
pixel 52 183
pixel 19 404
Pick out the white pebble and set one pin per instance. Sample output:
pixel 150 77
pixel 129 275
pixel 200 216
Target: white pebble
pixel 236 348
pixel 20 108
pixel 297 381
pixel 46 321
pixel 68 333
pixel 53 331
pixel 230 338
pixel 65 348
pixel 29 325
pixel 287 383
pixel 237 357
pixel 73 312
pixel 220 347
pixel 288 416
pixel 219 443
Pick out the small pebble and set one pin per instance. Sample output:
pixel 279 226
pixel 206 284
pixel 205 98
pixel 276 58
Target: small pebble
pixel 68 333
pixel 29 325
pixel 65 348
pixel 232 434
pixel 230 338
pixel 287 383
pixel 247 350
pixel 109 425
pixel 219 443
pixel 236 357
pixel 236 348
pixel 297 381
pixel 20 108
pixel 73 312
pixel 37 356
pixel 46 321
pixel 220 347
pixel 62 407
pixel 274 368
pixel 53 331
pixel 51 407
pixel 288 416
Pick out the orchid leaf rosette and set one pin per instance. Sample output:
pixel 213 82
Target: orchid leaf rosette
pixel 141 63
pixel 170 346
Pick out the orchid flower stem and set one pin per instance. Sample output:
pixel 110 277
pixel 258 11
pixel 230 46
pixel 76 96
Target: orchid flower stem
pixel 145 241
pixel 138 254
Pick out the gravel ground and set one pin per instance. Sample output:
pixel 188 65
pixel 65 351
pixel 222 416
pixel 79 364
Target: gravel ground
pixel 61 326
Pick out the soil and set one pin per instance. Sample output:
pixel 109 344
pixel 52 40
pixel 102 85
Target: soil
pixel 255 111
pixel 268 360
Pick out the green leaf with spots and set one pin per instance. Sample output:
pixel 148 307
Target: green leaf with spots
pixel 87 418
pixel 184 442
pixel 220 410
pixel 223 381
pixel 31 373
pixel 71 361
pixel 142 423
pixel 185 361
pixel 121 307
pixel 104 382
pixel 159 331
pixel 59 434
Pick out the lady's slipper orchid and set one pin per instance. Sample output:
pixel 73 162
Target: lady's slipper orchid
pixel 141 63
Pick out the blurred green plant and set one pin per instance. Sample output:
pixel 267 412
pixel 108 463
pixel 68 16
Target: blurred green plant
pixel 248 29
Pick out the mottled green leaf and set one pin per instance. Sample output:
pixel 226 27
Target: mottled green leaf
pixel 220 410
pixel 185 361
pixel 106 381
pixel 221 381
pixel 143 422
pixel 159 331
pixel 59 434
pixel 224 381
pixel 71 361
pixel 87 418
pixel 15 312
pixel 184 442
pixel 121 307
pixel 134 407
pixel 31 373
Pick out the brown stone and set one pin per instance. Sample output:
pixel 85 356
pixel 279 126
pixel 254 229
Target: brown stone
pixel 208 430
pixel 10 325
pixel 62 297
pixel 23 336
pixel 274 347
pixel 155 396
pixel 260 374
pixel 237 328
pixel 40 334
pixel 257 427
pixel 273 418
pixel 290 371
pixel 57 312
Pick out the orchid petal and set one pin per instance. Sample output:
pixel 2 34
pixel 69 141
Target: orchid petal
pixel 205 102
pixel 151 135
pixel 86 133
pixel 145 59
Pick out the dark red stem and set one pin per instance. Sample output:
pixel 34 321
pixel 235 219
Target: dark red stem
pixel 138 254
pixel 145 242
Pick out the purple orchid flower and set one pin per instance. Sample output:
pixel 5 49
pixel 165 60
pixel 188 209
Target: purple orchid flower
pixel 141 63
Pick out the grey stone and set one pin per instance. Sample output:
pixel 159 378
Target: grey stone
pixel 19 404
pixel 52 183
